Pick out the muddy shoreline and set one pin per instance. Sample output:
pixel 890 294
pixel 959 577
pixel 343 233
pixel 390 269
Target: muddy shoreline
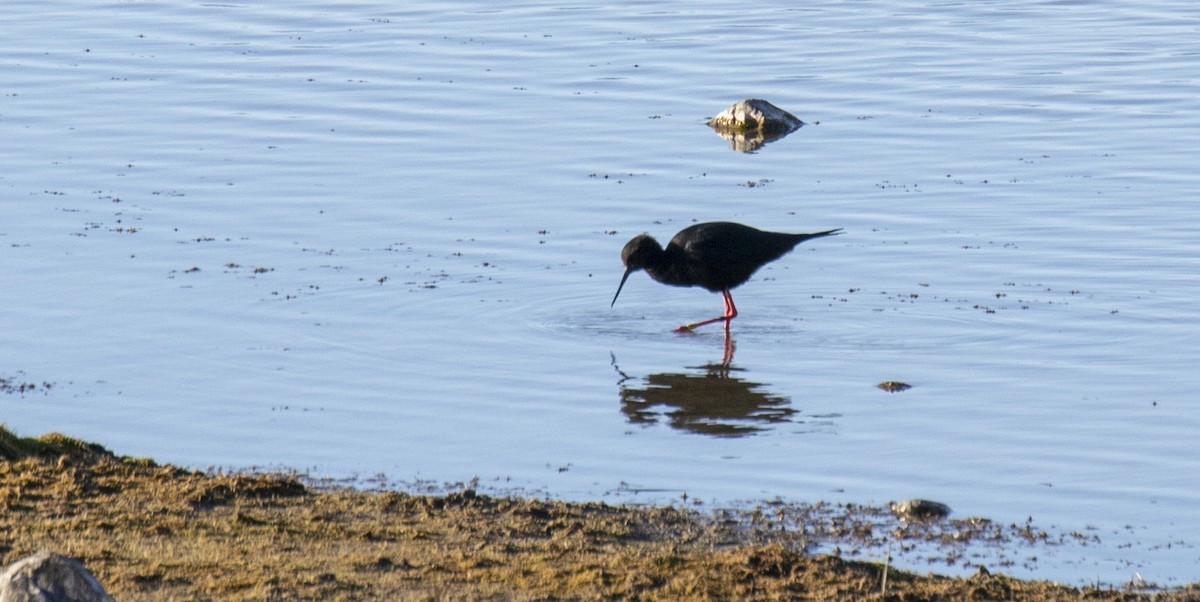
pixel 153 532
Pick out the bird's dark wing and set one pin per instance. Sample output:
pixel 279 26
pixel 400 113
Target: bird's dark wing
pixel 729 243
pixel 724 254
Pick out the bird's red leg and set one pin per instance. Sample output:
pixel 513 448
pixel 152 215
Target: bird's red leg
pixel 730 313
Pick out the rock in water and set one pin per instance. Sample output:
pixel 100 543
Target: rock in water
pixel 893 386
pixel 755 114
pixel 749 124
pixel 50 577
pixel 917 509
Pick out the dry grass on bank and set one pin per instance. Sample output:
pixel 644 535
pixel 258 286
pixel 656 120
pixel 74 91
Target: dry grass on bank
pixel 153 532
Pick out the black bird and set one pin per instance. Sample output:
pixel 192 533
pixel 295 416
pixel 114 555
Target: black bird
pixel 715 255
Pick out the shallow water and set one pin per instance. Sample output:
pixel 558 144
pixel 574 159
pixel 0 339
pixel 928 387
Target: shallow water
pixel 382 243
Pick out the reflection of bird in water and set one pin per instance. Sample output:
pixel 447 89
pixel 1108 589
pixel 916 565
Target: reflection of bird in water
pixel 715 255
pixel 708 403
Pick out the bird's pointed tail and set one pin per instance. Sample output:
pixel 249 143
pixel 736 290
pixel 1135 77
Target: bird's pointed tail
pixel 833 232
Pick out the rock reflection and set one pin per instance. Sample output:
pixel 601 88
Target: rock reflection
pixel 707 400
pixel 749 141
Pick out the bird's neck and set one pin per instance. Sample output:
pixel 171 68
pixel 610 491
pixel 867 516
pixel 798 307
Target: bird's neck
pixel 670 267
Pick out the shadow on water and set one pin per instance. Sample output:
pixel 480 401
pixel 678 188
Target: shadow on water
pixel 706 400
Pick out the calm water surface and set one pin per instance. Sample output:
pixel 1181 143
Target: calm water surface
pixel 377 242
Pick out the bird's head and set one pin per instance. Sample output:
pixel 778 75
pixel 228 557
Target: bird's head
pixel 636 255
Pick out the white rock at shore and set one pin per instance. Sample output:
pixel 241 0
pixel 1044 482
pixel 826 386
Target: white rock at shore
pixel 50 577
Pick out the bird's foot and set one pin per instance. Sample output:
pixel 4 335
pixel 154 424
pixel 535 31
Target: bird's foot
pixel 694 325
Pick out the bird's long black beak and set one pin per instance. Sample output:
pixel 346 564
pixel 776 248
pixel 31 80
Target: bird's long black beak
pixel 628 271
